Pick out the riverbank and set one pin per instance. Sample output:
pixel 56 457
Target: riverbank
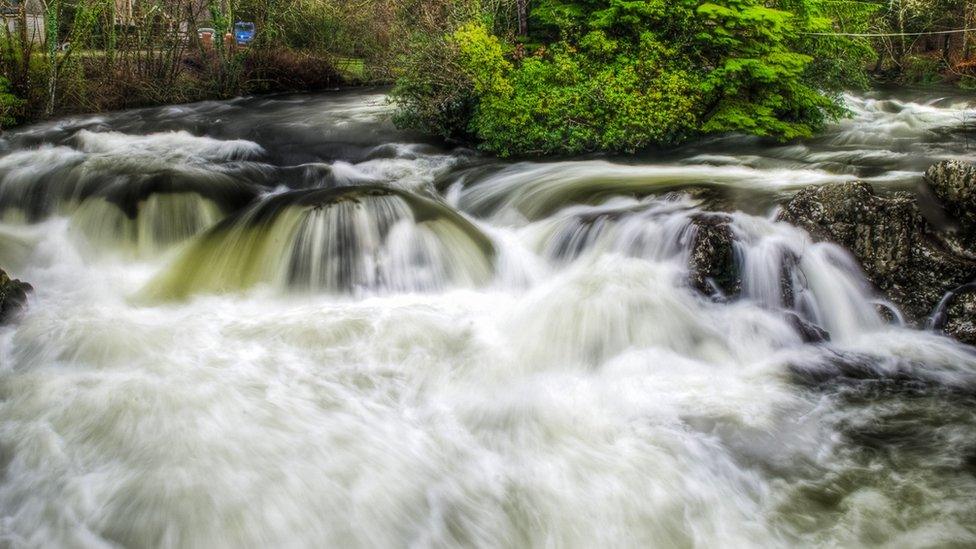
pixel 93 84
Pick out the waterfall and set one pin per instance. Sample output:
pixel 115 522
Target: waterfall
pixel 283 322
pixel 343 239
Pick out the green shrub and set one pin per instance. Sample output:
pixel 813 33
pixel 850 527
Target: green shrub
pixel 9 104
pixel 922 69
pixel 571 101
pixel 968 83
pixel 434 94
pixel 623 75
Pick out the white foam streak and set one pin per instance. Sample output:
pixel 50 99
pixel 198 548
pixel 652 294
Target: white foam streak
pixel 533 189
pixel 169 145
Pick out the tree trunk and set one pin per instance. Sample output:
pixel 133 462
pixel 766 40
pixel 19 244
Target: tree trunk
pixel 967 16
pixel 22 25
pixel 26 50
pixel 522 7
pixel 946 51
pixel 51 24
pixel 901 31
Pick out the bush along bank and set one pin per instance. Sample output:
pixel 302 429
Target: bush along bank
pixel 626 76
pixel 89 83
pixel 67 56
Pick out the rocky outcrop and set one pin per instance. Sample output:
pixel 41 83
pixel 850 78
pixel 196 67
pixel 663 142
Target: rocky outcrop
pixel 953 184
pixel 900 253
pixel 713 269
pixel 909 260
pixel 13 296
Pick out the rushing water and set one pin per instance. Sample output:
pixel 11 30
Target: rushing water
pixel 280 322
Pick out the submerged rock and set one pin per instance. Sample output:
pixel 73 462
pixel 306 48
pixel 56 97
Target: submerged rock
pixel 909 261
pixel 13 296
pixel 809 332
pixel 862 376
pixel 889 314
pixel 712 267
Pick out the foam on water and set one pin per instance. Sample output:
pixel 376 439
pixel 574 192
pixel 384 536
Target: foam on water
pixel 411 346
pixel 537 190
pixel 166 146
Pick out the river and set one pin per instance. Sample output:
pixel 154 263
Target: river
pixel 280 322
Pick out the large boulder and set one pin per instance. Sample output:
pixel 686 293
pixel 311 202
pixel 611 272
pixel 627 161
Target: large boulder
pixel 908 260
pixel 13 296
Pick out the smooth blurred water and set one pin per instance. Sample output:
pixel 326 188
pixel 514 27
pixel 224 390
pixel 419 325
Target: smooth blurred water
pixel 281 322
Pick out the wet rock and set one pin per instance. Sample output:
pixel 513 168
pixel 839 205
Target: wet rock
pixel 13 296
pixel 789 280
pixel 905 258
pixel 961 318
pixel 809 332
pixel 953 184
pixel 712 267
pixel 729 198
pixel 887 313
pixel 957 315
pixel 712 198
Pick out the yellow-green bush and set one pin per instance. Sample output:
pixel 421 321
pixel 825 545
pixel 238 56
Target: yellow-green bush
pixel 621 76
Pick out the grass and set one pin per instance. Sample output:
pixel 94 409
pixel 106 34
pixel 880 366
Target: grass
pixel 351 68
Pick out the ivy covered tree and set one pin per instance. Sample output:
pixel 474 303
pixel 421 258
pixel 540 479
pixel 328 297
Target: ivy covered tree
pixel 624 75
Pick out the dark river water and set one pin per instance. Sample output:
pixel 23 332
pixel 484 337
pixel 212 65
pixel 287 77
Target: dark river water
pixel 280 322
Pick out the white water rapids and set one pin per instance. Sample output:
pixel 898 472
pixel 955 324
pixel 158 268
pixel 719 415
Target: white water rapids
pixel 281 323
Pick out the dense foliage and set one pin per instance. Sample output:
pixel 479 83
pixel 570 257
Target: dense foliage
pixel 9 103
pixel 623 75
pixel 94 55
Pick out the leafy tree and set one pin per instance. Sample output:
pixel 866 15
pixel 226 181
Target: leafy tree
pixel 624 75
pixel 838 61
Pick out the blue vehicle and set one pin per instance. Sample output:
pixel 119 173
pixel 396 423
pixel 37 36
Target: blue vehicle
pixel 244 33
